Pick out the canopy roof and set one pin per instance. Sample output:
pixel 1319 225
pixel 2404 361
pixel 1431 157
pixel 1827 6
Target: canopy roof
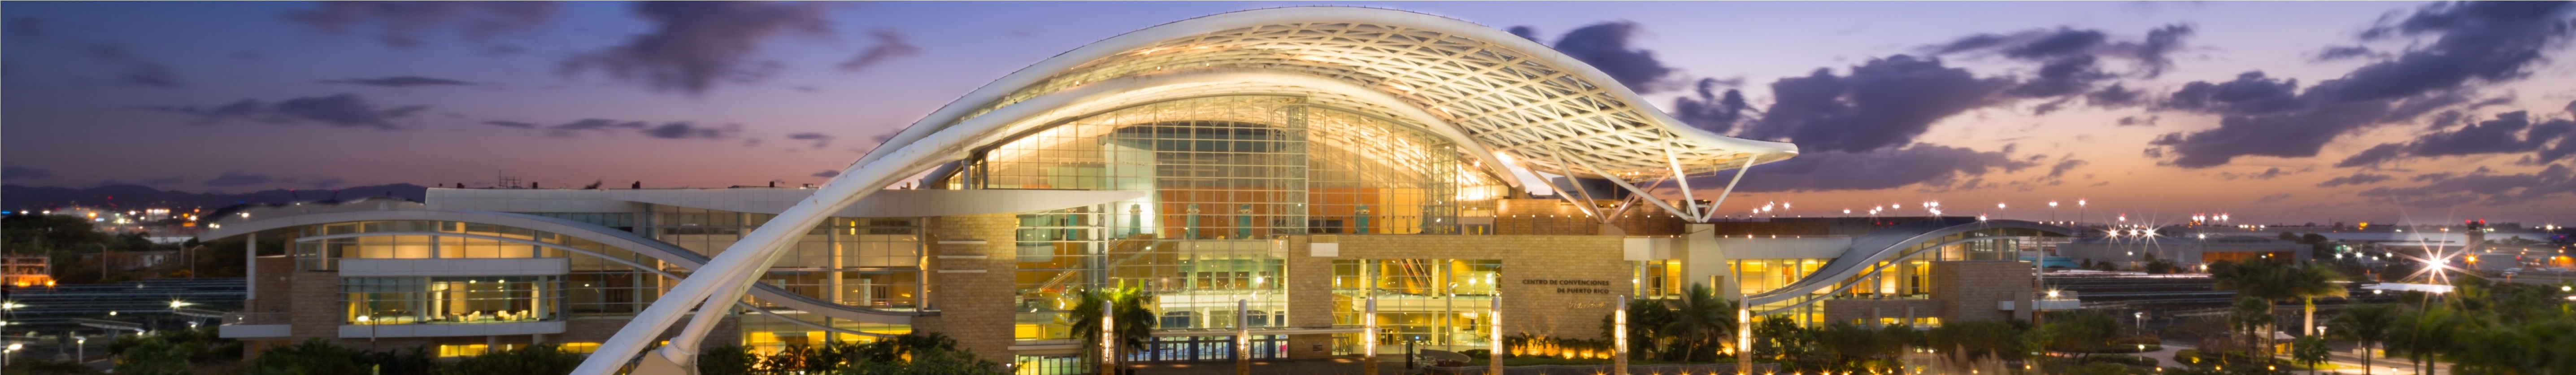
pixel 1496 92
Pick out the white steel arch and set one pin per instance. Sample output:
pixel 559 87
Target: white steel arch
pixel 1491 91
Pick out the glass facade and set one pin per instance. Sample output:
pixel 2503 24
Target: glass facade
pixel 1227 174
pixel 418 300
pixel 868 262
pixel 602 286
pixel 1244 167
pixel 1431 303
pixel 1908 275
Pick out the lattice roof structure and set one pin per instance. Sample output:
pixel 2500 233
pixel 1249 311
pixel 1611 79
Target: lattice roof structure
pixel 1500 93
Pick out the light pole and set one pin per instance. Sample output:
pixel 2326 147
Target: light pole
pixel 11 352
pixel 80 355
pixel 371 331
pixel 2052 211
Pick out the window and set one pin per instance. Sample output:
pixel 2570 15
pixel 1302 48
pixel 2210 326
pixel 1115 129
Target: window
pixel 421 300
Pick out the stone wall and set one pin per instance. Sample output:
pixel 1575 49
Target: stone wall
pixel 974 295
pixel 1970 289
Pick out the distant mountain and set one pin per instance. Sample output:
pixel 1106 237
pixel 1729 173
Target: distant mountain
pixel 18 197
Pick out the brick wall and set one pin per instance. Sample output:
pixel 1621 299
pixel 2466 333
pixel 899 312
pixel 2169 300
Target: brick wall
pixel 1969 289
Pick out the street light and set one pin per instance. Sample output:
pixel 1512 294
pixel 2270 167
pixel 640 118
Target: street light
pixel 12 351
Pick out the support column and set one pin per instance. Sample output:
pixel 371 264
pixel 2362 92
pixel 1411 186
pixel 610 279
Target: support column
pixel 250 268
pixel 1494 345
pixel 1109 337
pixel 1743 339
pixel 1368 338
pixel 1619 338
pixel 1242 338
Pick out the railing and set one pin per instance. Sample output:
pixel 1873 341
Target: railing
pixel 1657 369
pixel 238 318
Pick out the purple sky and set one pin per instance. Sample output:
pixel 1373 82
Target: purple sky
pixel 2361 111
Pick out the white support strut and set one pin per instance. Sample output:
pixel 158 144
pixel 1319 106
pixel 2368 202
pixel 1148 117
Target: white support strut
pixel 1730 188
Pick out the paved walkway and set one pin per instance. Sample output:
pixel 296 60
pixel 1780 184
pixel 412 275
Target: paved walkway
pixel 1334 366
pixel 2343 359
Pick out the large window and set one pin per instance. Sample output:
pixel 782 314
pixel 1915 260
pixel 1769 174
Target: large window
pixel 483 299
pixel 868 262
pixel 1244 167
pixel 1429 302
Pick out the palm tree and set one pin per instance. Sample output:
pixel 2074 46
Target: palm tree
pixel 2369 325
pixel 2428 332
pixel 2308 282
pixel 2250 315
pixel 1135 322
pixel 1700 321
pixel 2310 351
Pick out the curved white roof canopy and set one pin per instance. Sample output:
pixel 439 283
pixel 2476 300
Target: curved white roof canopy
pixel 1491 91
pixel 1505 93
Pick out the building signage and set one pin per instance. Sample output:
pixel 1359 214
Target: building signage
pixel 1575 286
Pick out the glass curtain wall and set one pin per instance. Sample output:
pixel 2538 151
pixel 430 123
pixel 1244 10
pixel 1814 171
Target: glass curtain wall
pixel 1228 173
pixel 1432 303
pixel 867 262
pixel 480 299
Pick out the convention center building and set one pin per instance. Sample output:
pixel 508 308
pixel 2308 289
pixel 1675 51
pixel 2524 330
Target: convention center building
pixel 1274 167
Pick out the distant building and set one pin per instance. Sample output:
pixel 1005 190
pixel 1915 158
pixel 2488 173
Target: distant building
pixel 26 270
pixel 2187 250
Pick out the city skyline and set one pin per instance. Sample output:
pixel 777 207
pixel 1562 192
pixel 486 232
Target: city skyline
pixel 250 96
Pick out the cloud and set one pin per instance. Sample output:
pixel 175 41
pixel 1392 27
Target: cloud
pixel 827 173
pixel 2332 53
pixel 399 81
pixel 24 173
pixel 2115 96
pixel 343 110
pixel 2487 42
pixel 237 178
pixel 1607 46
pixel 2259 116
pixel 1711 111
pixel 2481 186
pixel 2372 156
pixel 696 45
pixel 1882 104
pixel 2070 49
pixel 2269 173
pixel 890 45
pixel 2504 134
pixel 2357 178
pixel 2138 121
pixel 1917 164
pixel 2059 170
pixel 686 130
pixel 135 70
pixel 666 130
pixel 1526 32
pixel 819 139
pixel 2272 198
pixel 2490 41
pixel 2510 132
pixel 402 24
